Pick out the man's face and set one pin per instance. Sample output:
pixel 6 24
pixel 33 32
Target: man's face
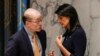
pixel 35 24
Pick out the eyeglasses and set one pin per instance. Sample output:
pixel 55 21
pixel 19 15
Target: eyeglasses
pixel 36 21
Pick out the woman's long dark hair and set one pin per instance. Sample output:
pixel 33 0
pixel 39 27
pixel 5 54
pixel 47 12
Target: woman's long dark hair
pixel 68 10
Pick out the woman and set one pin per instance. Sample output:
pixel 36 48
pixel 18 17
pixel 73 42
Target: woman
pixel 73 41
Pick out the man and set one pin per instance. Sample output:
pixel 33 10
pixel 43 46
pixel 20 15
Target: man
pixel 31 39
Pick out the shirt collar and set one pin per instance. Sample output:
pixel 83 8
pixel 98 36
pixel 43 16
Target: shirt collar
pixel 28 32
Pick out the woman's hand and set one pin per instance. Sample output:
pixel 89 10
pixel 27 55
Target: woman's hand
pixel 59 40
pixel 61 47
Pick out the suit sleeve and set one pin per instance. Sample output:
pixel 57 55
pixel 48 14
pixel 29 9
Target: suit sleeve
pixel 44 41
pixel 79 41
pixel 11 48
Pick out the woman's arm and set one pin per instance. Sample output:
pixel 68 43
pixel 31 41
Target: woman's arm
pixel 61 47
pixel 79 41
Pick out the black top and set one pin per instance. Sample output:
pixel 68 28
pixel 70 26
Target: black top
pixel 75 42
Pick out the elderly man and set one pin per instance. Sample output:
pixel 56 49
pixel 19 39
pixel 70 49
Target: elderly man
pixel 31 39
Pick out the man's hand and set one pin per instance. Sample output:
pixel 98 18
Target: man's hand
pixel 51 53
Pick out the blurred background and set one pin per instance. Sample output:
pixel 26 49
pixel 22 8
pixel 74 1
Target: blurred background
pixel 11 12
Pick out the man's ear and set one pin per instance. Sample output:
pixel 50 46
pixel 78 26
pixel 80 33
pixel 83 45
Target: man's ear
pixel 27 24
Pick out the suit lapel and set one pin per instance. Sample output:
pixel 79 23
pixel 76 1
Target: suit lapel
pixel 27 40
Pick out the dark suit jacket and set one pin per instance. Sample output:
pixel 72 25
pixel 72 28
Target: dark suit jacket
pixel 75 42
pixel 19 44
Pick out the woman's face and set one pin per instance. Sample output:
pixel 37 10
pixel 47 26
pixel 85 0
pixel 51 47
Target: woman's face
pixel 63 21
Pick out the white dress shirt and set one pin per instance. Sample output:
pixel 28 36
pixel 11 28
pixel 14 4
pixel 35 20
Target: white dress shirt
pixel 30 37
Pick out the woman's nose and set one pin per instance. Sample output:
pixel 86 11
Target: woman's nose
pixel 58 20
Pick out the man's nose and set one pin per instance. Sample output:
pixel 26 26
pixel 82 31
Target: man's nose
pixel 40 23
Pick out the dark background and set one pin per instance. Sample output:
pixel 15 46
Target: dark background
pixel 8 21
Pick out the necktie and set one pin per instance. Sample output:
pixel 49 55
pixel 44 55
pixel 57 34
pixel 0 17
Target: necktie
pixel 35 46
